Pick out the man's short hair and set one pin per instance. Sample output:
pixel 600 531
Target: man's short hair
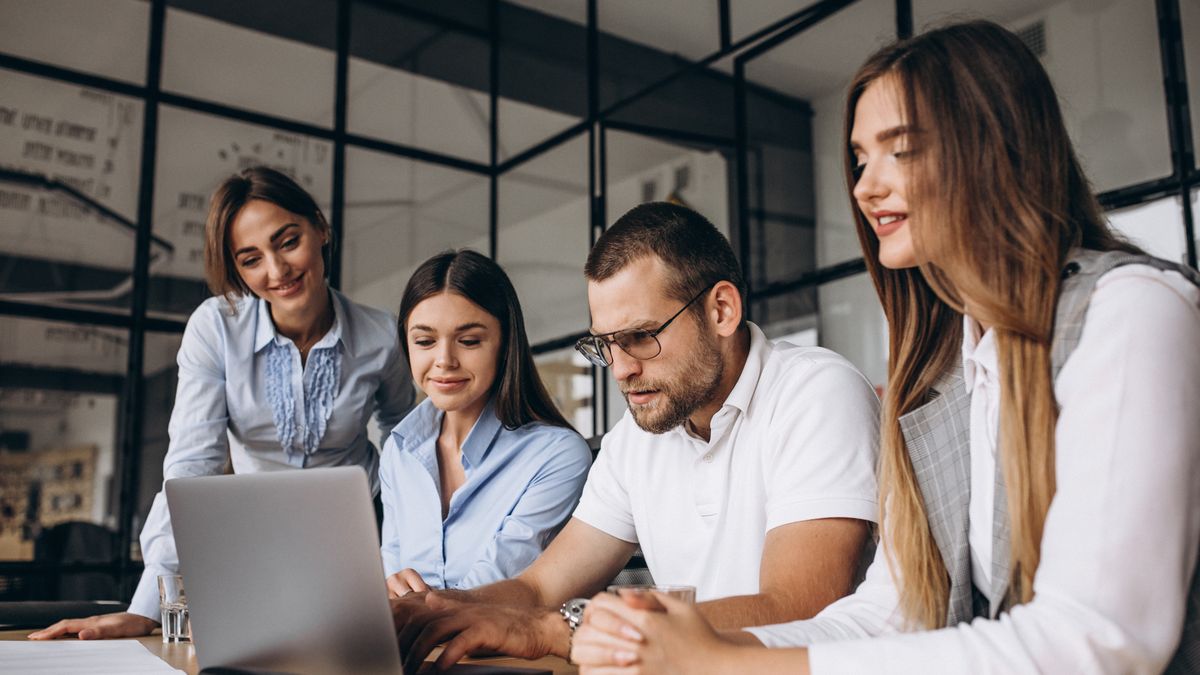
pixel 696 254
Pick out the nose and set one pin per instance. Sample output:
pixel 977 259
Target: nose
pixel 446 359
pixel 623 365
pixel 277 267
pixel 870 185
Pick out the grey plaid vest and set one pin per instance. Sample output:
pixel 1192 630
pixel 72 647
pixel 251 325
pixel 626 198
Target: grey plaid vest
pixel 938 438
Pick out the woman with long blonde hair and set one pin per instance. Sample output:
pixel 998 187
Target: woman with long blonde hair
pixel 1040 464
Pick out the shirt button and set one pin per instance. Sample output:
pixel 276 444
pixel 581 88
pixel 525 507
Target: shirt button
pixel 708 457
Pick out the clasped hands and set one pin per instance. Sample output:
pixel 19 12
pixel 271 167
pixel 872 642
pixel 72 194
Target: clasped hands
pixel 620 636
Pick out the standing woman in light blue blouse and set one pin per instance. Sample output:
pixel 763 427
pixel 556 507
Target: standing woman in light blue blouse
pixel 279 371
pixel 478 479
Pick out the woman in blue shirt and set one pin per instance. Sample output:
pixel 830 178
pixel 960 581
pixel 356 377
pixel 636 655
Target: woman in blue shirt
pixel 478 479
pixel 279 371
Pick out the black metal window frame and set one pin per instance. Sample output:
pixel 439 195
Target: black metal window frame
pixel 1185 177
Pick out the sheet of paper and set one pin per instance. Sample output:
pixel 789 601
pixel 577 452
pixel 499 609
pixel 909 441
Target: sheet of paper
pixel 67 657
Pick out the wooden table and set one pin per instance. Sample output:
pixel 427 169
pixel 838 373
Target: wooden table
pixel 183 655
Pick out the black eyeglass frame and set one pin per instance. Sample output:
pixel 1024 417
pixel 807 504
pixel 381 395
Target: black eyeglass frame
pixel 595 347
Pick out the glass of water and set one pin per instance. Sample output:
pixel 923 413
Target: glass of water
pixel 172 605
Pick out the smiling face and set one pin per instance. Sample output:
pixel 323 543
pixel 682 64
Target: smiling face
pixel 662 392
pixel 880 143
pixel 453 351
pixel 278 255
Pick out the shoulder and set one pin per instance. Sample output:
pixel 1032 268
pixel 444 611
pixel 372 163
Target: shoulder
pixel 1129 286
pixel 551 441
pixel 801 375
pixel 216 321
pixel 1140 318
pixel 216 311
pixel 369 321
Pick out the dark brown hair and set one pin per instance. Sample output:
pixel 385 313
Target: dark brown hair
pixel 256 182
pixel 520 396
pixel 695 252
pixel 997 198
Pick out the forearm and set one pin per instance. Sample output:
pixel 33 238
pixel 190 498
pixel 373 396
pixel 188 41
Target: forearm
pixel 761 609
pixel 511 592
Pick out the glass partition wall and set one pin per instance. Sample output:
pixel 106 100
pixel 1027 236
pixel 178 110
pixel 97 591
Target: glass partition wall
pixel 520 129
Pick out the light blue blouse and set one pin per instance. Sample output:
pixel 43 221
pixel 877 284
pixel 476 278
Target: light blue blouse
pixel 244 397
pixel 521 486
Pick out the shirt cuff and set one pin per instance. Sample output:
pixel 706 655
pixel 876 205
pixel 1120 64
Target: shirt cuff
pixel 145 598
pixel 814 509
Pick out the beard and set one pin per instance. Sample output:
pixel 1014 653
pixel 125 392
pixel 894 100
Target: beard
pixel 692 386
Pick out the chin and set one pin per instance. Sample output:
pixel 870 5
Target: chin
pixel 897 260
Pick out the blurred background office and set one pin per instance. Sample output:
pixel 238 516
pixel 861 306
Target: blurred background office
pixel 520 128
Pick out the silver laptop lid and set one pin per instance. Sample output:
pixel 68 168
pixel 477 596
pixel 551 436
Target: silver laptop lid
pixel 282 571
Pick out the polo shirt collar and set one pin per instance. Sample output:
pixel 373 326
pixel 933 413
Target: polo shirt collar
pixel 743 391
pixel 264 330
pixel 742 394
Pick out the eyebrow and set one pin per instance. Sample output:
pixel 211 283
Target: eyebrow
pixel 645 324
pixel 886 135
pixel 278 233
pixel 460 329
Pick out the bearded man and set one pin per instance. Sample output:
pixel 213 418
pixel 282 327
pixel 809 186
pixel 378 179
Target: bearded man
pixel 743 467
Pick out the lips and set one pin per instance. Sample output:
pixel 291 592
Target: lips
pixel 290 288
pixel 446 384
pixel 641 397
pixel 887 222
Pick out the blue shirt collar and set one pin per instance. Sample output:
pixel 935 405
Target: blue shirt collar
pixel 264 330
pixel 425 421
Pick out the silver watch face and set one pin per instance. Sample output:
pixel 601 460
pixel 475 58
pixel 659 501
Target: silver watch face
pixel 572 611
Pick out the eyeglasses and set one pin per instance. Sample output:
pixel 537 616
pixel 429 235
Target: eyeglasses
pixel 639 343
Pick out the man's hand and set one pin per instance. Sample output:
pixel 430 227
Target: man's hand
pixel 407 608
pixel 466 627
pixel 103 627
pixel 404 582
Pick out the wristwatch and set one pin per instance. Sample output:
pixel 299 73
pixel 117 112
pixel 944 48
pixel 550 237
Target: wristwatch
pixel 572 612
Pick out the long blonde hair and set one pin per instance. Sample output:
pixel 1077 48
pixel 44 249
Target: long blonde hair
pixel 996 199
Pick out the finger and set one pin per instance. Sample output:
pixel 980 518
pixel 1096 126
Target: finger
pixel 593 647
pixel 673 605
pixel 438 602
pixel 57 630
pixel 605 621
pixel 640 599
pixel 457 648
pixel 598 656
pixel 630 615
pixel 413 580
pixel 434 633
pixel 397 586
pixel 635 669
pixel 414 623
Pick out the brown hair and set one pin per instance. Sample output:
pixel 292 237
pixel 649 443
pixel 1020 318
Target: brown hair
pixel 520 396
pixel 257 182
pixel 997 199
pixel 695 252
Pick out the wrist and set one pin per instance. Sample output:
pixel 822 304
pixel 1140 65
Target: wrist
pixel 556 633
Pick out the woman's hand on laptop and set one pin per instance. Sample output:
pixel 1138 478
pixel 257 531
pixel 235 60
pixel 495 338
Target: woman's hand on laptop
pixel 404 582
pixel 103 627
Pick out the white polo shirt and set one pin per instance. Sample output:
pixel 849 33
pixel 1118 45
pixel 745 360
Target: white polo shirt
pixel 796 440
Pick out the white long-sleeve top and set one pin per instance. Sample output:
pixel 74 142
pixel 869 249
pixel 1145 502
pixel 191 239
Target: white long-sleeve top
pixel 1121 536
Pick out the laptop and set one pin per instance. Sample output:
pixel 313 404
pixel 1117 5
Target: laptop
pixel 283 573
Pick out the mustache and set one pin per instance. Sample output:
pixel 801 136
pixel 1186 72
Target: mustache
pixel 640 385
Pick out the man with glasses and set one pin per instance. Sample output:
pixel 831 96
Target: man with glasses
pixel 743 468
